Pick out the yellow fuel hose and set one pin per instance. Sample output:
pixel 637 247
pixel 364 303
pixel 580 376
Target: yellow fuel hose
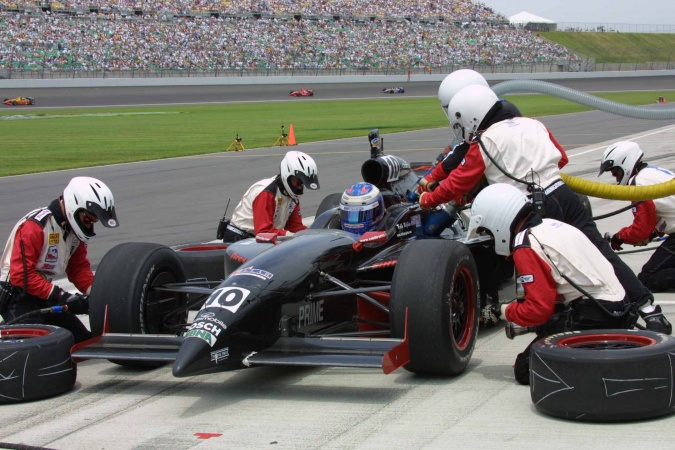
pixel 615 192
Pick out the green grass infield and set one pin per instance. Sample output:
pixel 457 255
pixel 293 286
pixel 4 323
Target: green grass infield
pixel 34 140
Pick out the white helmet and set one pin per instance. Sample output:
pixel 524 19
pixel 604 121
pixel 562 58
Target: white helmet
pixel 625 155
pixel 301 166
pixel 86 194
pixel 455 82
pixel 495 208
pixel 469 107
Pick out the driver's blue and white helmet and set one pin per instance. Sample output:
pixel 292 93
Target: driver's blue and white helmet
pixel 361 208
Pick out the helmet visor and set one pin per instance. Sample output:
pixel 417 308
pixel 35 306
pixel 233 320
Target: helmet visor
pixel 605 166
pixel 307 181
pixel 358 214
pixel 107 217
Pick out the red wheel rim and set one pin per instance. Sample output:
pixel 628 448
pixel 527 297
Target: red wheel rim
pixel 463 307
pixel 607 341
pixel 23 333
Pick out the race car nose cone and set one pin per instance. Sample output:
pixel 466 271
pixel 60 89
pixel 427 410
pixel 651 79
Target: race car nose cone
pixel 194 357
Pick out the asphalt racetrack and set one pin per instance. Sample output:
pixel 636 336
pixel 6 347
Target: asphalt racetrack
pixel 181 200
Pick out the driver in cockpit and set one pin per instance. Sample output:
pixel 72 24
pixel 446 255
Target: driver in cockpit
pixel 361 208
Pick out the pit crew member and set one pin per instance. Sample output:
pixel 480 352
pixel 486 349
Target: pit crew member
pixel 51 242
pixel 272 205
pixel 568 284
pixel 652 218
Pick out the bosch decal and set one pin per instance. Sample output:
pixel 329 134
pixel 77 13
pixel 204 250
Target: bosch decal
pixel 206 326
pixel 262 274
pixel 220 355
pixel 310 313
pixel 229 298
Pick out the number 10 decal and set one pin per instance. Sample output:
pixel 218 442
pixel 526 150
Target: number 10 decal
pixel 229 298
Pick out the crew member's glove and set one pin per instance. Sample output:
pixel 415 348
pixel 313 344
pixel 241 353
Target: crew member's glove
pixel 78 304
pixel 616 242
pixel 422 201
pixel 426 185
pixel 58 296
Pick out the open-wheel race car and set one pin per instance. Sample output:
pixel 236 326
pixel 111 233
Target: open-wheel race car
pixel 403 295
pixel 302 93
pixel 19 101
pixel 394 90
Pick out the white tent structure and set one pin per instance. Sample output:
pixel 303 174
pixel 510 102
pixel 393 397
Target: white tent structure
pixel 532 22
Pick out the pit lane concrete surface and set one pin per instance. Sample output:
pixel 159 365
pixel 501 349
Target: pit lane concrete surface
pixel 181 200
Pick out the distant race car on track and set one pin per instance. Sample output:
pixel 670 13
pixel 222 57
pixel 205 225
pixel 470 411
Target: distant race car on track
pixel 19 101
pixel 393 90
pixel 302 93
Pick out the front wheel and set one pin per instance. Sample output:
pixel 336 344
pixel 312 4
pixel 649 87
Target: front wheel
pixel 125 282
pixel 437 281
pixel 603 375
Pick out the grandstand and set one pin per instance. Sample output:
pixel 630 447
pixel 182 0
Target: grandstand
pixel 215 38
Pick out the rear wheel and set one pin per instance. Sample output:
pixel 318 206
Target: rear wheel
pixel 437 281
pixel 125 282
pixel 35 362
pixel 603 375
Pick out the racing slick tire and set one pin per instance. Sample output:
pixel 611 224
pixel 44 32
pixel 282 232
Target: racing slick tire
pixel 311 94
pixel 202 261
pixel 124 281
pixel 35 362
pixel 437 281
pixel 603 375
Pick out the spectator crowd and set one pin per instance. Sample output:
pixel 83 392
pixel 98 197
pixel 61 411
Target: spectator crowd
pixel 206 35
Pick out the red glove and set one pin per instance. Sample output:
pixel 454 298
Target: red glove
pixel 427 184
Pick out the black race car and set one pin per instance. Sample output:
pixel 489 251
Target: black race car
pixel 404 295
pixel 393 90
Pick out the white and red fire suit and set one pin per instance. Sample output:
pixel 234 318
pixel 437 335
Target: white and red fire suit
pixel 48 252
pixel 265 208
pixel 519 145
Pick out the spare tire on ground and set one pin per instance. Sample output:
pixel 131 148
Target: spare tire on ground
pixel 603 375
pixel 35 362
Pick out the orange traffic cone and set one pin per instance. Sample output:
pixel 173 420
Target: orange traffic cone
pixel 291 136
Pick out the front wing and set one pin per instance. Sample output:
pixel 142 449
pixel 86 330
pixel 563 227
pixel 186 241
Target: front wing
pixel 388 354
